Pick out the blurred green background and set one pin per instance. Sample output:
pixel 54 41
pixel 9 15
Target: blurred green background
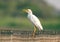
pixel 12 16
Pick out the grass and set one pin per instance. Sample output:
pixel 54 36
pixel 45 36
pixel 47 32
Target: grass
pixel 52 24
pixel 24 23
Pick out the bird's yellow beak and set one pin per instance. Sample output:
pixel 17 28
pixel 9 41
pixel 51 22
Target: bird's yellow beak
pixel 25 10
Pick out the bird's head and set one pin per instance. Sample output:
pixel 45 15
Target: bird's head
pixel 29 11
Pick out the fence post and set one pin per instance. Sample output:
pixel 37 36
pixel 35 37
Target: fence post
pixel 11 37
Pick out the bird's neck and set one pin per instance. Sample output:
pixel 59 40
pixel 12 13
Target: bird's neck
pixel 30 13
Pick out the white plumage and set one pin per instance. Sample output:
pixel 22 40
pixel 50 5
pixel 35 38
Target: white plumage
pixel 34 19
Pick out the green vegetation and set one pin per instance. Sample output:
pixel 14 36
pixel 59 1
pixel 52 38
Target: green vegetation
pixel 24 23
pixel 11 14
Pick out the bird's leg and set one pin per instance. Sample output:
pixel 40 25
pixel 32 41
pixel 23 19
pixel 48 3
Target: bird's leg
pixel 34 31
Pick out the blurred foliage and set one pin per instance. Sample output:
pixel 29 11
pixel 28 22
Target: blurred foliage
pixel 14 8
pixel 24 24
pixel 11 14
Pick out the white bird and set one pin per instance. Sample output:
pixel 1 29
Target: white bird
pixel 35 21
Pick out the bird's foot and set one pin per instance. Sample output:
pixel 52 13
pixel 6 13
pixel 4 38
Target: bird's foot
pixel 33 36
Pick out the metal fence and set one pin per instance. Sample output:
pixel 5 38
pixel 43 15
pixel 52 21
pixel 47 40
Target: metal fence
pixel 28 33
pixel 23 36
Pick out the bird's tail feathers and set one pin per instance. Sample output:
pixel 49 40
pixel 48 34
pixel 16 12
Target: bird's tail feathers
pixel 40 28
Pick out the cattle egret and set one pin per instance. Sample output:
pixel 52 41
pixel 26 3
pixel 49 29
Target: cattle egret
pixel 35 21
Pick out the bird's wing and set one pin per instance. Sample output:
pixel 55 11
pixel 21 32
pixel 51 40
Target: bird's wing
pixel 36 22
